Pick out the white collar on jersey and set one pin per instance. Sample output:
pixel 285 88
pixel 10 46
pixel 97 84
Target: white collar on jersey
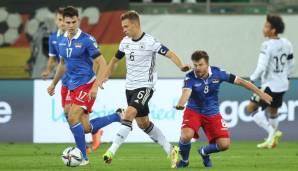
pixel 209 72
pixel 75 36
pixel 59 32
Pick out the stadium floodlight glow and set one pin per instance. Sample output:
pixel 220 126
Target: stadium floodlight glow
pixel 3 14
pixel 93 14
pixel 32 27
pixel 14 20
pixel 42 13
pixel 11 35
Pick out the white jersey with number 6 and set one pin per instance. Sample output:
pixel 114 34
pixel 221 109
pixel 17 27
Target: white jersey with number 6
pixel 275 64
pixel 140 61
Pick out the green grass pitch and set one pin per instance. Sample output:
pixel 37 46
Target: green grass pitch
pixel 242 156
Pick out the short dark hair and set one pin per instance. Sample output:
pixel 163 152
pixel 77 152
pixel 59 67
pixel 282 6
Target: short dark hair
pixel 200 54
pixel 70 11
pixel 276 23
pixel 59 11
pixel 131 15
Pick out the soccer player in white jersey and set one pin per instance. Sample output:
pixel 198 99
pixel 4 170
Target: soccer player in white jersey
pixel 275 64
pixel 140 50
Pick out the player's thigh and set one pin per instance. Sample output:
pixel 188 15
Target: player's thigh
pixel 79 96
pixel 75 114
pixel 192 120
pixel 65 98
pixel 143 122
pixel 186 135
pixel 276 103
pixel 140 99
pixel 215 127
pixel 130 113
pixel 85 122
pixel 272 111
pixel 252 106
pixel 67 109
pixel 223 143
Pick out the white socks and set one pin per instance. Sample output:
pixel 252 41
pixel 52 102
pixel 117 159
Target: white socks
pixel 157 136
pixel 121 136
pixel 261 120
pixel 274 122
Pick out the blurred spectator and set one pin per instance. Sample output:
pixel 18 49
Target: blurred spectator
pixel 39 50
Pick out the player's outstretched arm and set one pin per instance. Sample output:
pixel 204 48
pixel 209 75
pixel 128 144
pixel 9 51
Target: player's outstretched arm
pixel 57 77
pixel 111 66
pixel 250 86
pixel 102 64
pixel 186 92
pixel 48 70
pixel 176 60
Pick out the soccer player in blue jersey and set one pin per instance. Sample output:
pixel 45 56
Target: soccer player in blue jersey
pixel 53 57
pixel 78 51
pixel 200 91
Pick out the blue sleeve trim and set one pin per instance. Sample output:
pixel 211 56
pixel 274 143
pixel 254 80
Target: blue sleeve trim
pixel 95 55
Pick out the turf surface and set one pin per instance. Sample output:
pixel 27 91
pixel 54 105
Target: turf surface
pixel 241 157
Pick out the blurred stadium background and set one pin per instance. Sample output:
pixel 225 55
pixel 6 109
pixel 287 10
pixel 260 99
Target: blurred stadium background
pixel 229 30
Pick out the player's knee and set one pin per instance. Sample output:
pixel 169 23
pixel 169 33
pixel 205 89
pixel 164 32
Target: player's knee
pixel 185 138
pixel 250 109
pixel 130 113
pixel 143 124
pixel 223 146
pixel 72 120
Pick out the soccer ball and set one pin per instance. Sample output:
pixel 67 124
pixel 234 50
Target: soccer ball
pixel 72 157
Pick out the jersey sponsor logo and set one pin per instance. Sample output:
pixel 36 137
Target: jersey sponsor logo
pixel 198 84
pixel 78 45
pixel 62 44
pixel 54 42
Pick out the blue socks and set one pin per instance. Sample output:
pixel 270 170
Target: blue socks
pixel 211 148
pixel 184 150
pixel 79 136
pixel 101 122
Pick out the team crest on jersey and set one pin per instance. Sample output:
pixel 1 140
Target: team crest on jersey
pixel 215 80
pixel 78 45
pixel 142 46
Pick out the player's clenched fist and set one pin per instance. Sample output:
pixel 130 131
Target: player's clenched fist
pixel 51 90
pixel 185 68
pixel 93 92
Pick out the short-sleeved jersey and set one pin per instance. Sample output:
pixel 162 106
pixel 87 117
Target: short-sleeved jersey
pixel 54 51
pixel 275 64
pixel 204 95
pixel 78 54
pixel 53 44
pixel 140 60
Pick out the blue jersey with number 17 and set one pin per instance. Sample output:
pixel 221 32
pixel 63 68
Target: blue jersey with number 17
pixel 78 54
pixel 204 95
